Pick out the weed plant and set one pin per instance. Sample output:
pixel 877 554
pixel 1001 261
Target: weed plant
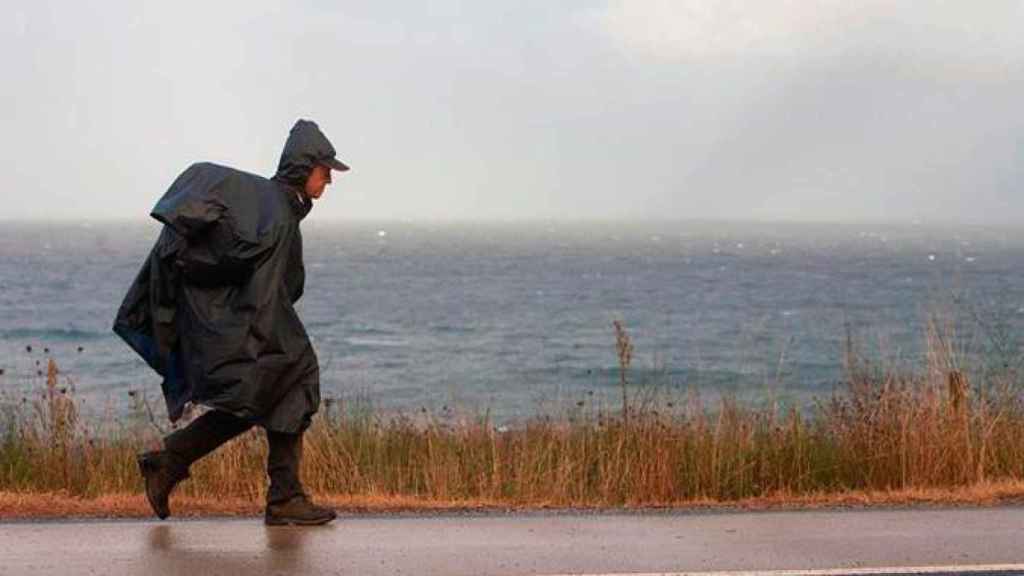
pixel 884 429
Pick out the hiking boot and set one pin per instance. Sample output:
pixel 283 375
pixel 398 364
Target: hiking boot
pixel 161 475
pixel 298 511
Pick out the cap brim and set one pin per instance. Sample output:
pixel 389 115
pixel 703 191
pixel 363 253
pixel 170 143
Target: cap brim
pixel 335 164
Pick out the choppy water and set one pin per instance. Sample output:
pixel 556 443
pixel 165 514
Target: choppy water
pixel 517 317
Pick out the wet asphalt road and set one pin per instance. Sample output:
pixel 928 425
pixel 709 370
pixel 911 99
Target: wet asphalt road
pixel 525 544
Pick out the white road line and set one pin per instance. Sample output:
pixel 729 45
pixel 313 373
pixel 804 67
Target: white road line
pixel 916 570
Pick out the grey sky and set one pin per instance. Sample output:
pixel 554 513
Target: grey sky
pixel 787 109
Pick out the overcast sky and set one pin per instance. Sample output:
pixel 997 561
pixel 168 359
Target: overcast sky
pixel 766 109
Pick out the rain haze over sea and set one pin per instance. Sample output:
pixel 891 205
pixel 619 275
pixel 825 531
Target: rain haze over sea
pixel 516 318
pixel 543 116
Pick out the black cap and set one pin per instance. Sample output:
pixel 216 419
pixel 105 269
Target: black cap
pixel 334 163
pixel 306 146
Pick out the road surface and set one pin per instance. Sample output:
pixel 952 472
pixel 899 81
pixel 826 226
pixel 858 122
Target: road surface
pixel 987 541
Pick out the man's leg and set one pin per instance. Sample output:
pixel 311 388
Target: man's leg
pixel 163 469
pixel 202 436
pixel 283 459
pixel 286 501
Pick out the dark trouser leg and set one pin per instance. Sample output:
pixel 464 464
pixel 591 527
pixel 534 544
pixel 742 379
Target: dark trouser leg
pixel 283 466
pixel 202 436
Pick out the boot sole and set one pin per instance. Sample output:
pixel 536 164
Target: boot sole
pixel 296 521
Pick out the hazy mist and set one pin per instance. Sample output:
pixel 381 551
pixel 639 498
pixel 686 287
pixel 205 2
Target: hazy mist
pixel 809 110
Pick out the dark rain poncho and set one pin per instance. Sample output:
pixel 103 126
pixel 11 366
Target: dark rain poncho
pixel 212 308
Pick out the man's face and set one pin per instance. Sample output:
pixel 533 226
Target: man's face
pixel 318 179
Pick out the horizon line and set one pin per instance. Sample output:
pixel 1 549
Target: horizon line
pixel 909 222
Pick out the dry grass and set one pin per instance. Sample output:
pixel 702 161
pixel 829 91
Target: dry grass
pixel 15 505
pixel 889 437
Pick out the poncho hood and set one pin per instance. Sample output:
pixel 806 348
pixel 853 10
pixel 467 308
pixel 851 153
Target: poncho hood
pixel 306 146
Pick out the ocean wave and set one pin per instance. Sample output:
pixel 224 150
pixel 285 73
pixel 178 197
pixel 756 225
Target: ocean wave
pixel 451 329
pixel 375 342
pixel 52 334
pixel 369 331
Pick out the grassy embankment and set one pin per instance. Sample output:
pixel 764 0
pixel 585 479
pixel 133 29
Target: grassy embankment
pixel 891 436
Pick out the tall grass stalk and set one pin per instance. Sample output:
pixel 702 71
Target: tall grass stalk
pixel 886 429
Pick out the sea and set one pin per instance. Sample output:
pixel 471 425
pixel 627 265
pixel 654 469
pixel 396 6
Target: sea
pixel 516 320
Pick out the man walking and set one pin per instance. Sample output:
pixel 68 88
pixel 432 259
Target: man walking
pixel 212 312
